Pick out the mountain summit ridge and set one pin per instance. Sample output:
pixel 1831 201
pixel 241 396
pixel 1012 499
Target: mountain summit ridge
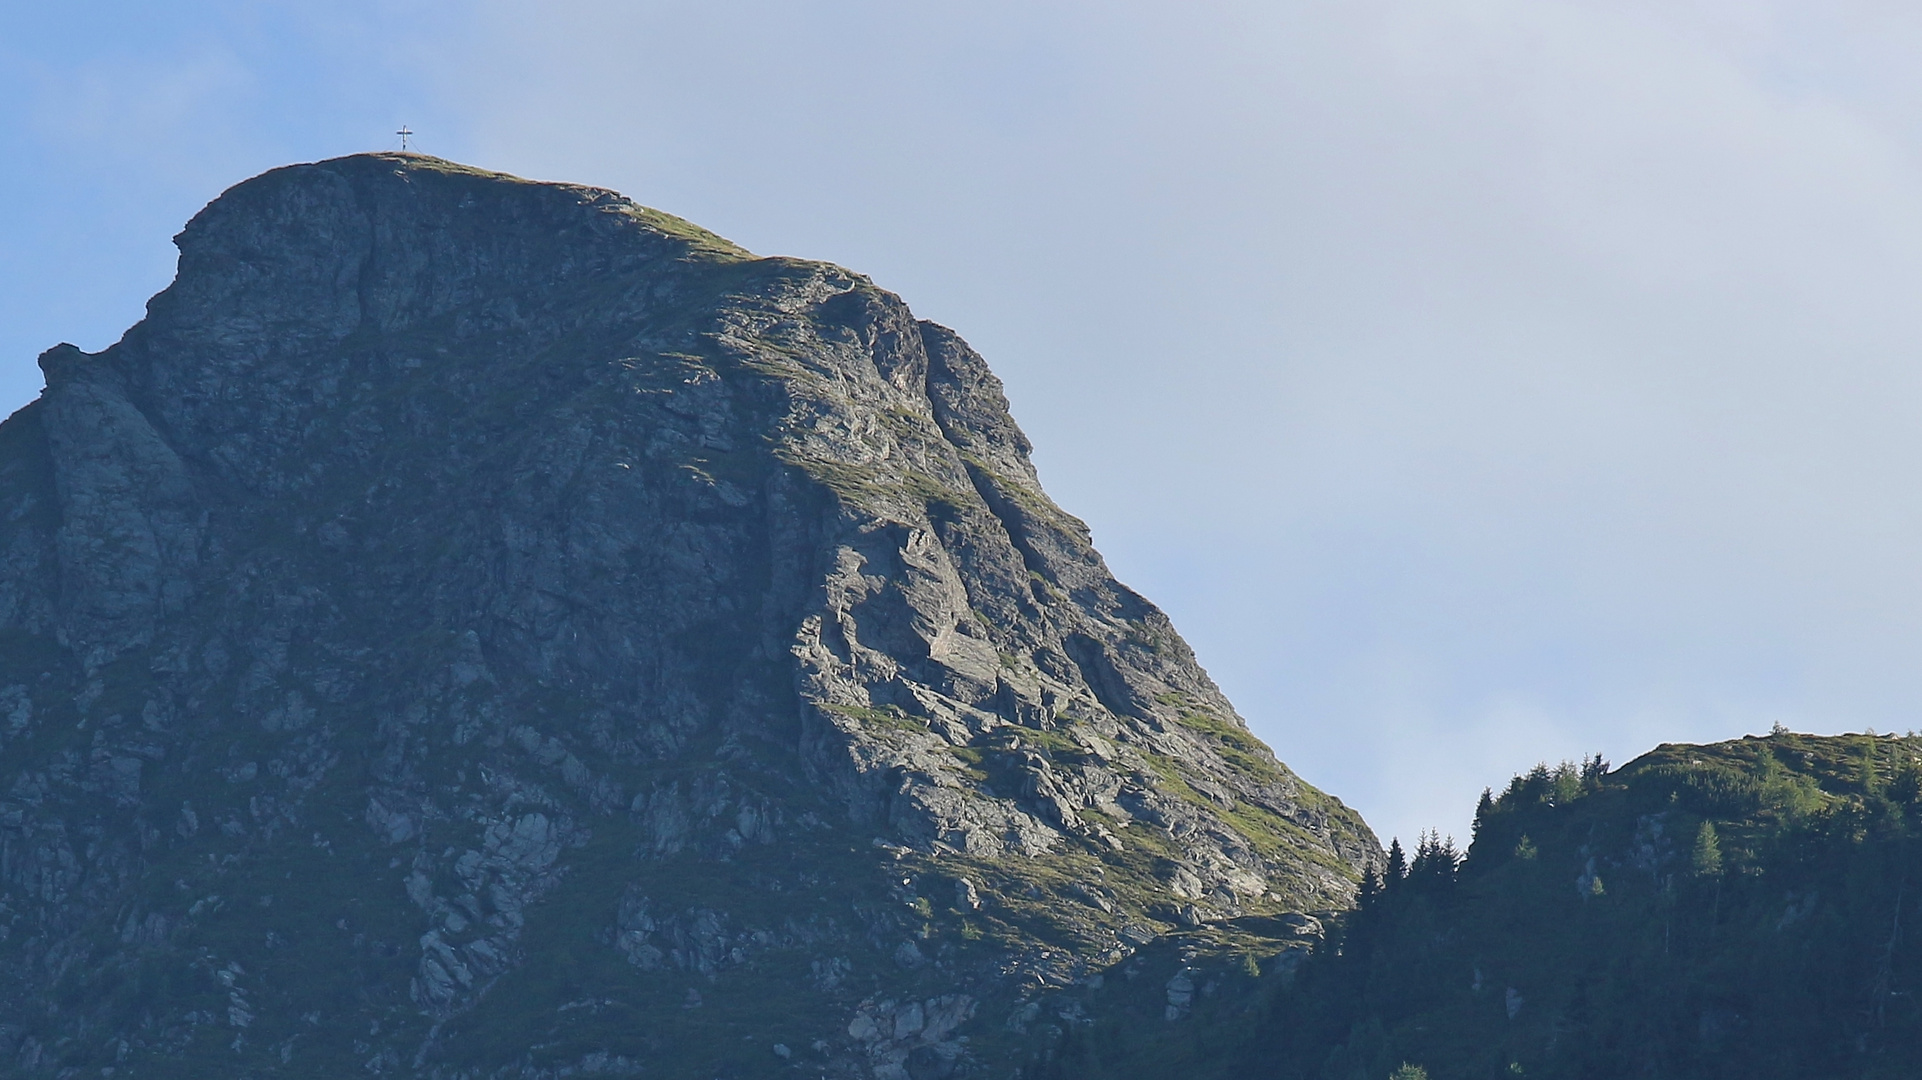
pixel 477 627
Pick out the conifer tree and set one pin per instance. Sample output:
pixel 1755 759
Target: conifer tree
pixel 1706 858
pixel 1370 892
pixel 1436 862
pixel 1484 810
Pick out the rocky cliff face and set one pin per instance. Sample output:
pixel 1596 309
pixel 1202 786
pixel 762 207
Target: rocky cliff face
pixel 482 628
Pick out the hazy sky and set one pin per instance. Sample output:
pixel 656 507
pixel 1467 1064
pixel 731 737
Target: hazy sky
pixel 1475 382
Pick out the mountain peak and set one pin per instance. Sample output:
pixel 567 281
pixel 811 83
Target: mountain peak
pixel 474 624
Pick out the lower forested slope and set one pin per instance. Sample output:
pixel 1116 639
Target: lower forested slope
pixel 1744 909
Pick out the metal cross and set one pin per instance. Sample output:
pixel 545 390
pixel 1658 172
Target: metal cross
pixel 404 134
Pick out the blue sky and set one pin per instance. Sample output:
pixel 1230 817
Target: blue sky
pixel 1476 382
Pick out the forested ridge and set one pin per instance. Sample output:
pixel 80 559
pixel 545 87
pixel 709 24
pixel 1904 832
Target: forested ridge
pixel 1742 909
